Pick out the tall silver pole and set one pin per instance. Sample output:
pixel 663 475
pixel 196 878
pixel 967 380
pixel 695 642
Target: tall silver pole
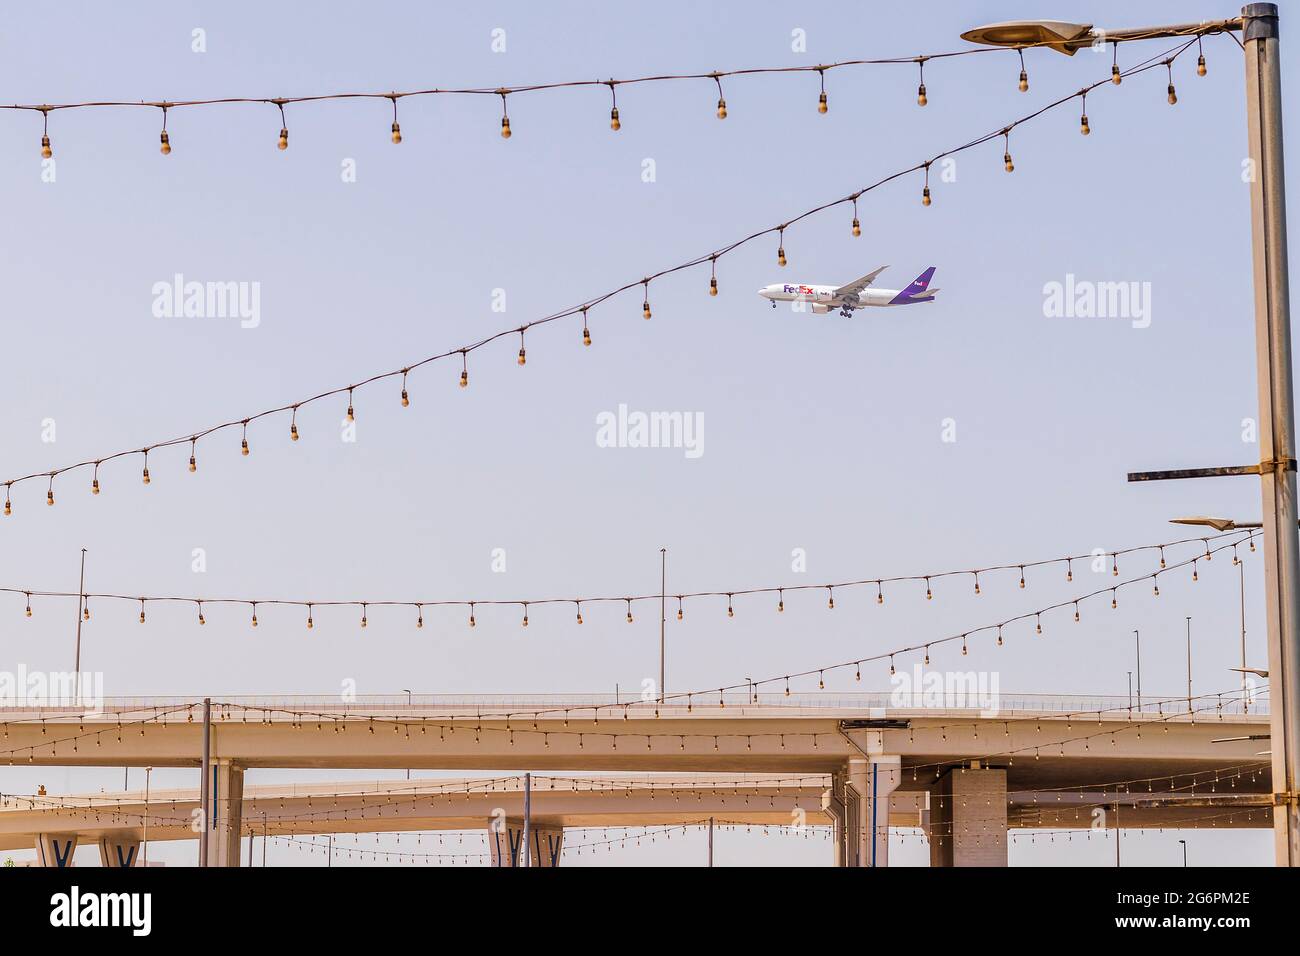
pixel 710 841
pixel 1241 574
pixel 1277 419
pixel 663 597
pixel 525 849
pixel 1189 665
pixel 147 771
pixel 81 603
pixel 204 789
pixel 1137 638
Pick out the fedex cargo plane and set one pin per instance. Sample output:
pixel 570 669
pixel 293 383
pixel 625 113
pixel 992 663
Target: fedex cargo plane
pixel 856 295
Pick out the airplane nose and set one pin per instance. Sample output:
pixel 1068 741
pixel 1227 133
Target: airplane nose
pixel 763 291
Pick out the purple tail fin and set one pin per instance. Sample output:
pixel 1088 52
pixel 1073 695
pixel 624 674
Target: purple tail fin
pixel 915 290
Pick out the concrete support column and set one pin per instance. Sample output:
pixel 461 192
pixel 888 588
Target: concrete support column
pixel 505 840
pixel 55 849
pixel 871 781
pixel 968 818
pixel 833 806
pixel 118 850
pixel 223 828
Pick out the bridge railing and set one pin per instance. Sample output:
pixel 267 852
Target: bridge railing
pixel 831 703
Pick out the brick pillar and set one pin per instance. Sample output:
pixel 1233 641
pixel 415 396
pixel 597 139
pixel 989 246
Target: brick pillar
pixel 968 819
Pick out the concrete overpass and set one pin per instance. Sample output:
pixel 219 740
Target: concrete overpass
pixel 1034 761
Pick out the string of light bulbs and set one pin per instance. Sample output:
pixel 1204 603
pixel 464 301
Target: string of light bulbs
pixel 1215 701
pixel 714 77
pixel 752 686
pixel 628 600
pixel 582 309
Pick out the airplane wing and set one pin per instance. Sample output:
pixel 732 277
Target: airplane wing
pixel 857 285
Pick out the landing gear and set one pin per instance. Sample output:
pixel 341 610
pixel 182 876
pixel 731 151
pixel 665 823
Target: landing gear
pixel 847 313
pixel 774 303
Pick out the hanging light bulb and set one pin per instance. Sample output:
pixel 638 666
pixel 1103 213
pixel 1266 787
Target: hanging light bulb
pixel 284 127
pixel 94 481
pixel 629 611
pixel 586 332
pixel 505 119
pixel 254 614
pixel 1006 156
pixel 471 613
pixel 713 275
pixel 680 612
pixel 614 124
pixel 46 150
pixel 821 99
pixel 1200 59
pixel 925 192
pixel 1024 76
pixel 464 369
pixel 579 607
pixel 523 358
pixel 164 139
pixel 310 623
pixel 145 473
pixel 141 610
pixel 857 226
pixel 243 441
pixel 1084 128
pixel 1115 76
pixel 645 306
pixel 780 247
pixel 406 399
pixel 49 495
pixel 9 507
pixel 351 415
pixel 363 615
pixel 1173 97
pixel 921 98
pixel 397 130
pixel 29 606
pixel 722 103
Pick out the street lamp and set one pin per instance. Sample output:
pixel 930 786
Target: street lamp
pixel 1068 38
pixel 1276 467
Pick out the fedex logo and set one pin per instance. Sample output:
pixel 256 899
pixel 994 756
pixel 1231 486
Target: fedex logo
pixel 798 289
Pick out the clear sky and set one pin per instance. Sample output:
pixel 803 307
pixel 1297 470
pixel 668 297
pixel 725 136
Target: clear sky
pixel 821 433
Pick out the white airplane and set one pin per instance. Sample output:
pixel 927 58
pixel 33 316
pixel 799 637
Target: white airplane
pixel 856 295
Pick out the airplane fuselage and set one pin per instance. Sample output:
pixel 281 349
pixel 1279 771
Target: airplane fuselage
pixel 825 295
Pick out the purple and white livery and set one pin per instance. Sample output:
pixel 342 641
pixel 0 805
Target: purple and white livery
pixel 855 295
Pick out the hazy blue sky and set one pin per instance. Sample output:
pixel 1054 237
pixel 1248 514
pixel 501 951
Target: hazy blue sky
pixel 820 433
